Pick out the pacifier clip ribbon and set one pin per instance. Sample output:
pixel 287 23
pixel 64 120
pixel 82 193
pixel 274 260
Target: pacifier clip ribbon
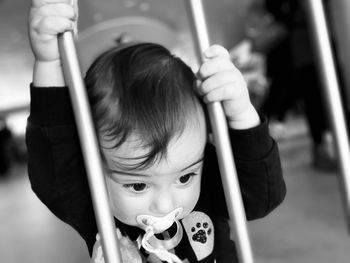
pixel 155 225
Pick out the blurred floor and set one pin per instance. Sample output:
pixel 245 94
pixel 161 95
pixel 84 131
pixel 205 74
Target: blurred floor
pixel 29 232
pixel 309 226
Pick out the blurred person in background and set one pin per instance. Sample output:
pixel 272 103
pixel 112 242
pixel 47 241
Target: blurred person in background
pixel 279 30
pixel 5 138
pixel 12 148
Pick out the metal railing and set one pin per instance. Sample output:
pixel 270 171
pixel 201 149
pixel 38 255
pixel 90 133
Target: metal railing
pixel 90 148
pixel 331 91
pixel 222 143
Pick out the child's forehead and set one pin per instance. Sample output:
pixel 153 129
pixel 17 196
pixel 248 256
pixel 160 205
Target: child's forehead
pixel 182 151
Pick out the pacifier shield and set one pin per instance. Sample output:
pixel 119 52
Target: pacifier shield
pixel 159 224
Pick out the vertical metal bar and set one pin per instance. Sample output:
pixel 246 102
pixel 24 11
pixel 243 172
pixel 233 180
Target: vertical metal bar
pixel 222 143
pixel 90 148
pixel 339 24
pixel 332 94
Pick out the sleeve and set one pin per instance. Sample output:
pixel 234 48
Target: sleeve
pixel 259 172
pixel 55 163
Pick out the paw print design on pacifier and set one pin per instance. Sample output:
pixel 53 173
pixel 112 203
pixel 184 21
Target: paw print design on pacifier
pixel 200 232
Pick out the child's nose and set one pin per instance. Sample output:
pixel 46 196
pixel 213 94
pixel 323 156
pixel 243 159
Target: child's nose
pixel 163 203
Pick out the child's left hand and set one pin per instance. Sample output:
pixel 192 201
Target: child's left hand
pixel 223 82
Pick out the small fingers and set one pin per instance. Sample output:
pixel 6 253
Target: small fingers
pixel 54 25
pixel 53 19
pixel 222 86
pixel 225 92
pixel 60 9
pixel 216 51
pixel 213 66
pixel 218 80
pixel 40 3
pixel 74 2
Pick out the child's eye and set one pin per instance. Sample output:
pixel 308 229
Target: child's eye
pixel 136 187
pixel 185 179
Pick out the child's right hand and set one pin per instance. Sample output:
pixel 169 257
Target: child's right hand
pixel 47 19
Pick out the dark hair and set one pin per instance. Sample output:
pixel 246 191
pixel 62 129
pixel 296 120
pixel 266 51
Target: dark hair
pixel 141 88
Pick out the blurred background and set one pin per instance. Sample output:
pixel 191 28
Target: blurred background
pixel 270 42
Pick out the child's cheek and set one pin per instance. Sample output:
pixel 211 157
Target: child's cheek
pixel 190 199
pixel 124 207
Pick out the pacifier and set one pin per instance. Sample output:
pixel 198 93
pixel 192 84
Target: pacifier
pixel 155 225
pixel 159 224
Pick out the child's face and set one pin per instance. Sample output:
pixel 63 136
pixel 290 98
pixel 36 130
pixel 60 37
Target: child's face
pixel 170 183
